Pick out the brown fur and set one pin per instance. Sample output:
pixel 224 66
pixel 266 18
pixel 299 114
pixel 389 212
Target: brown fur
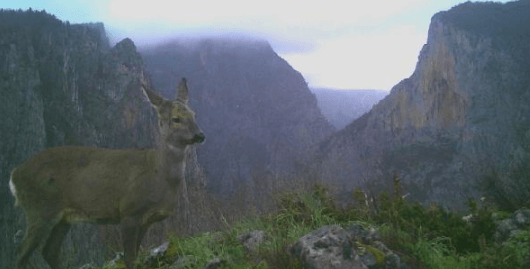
pixel 133 188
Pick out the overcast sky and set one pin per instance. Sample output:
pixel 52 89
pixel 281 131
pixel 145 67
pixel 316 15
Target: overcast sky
pixel 346 44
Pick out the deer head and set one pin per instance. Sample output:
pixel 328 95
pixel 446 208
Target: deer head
pixel 176 121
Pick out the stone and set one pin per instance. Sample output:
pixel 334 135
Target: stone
pixel 365 236
pixel 251 239
pixel 516 223
pixel 379 245
pixel 327 247
pixel 522 217
pixel 182 262
pixel 117 257
pixel 392 261
pixel 334 247
pixel 214 263
pixel 369 260
pixel 155 254
pixel 160 250
pixel 88 266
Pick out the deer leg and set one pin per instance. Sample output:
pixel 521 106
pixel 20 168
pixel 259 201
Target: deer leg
pixel 130 230
pixel 141 235
pixel 36 231
pixel 52 249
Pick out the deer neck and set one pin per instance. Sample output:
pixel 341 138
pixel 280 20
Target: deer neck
pixel 171 162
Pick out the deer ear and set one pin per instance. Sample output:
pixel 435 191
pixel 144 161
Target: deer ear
pixel 153 97
pixel 182 92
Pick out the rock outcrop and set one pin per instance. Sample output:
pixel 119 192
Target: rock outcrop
pixel 463 112
pixel 335 247
pixel 514 224
pixel 251 239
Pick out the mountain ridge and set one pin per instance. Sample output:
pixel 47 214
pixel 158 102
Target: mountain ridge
pixel 453 120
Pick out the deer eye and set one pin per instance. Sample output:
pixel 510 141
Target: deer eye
pixel 175 119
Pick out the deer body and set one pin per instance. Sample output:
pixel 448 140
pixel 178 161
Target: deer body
pixel 130 187
pixel 115 175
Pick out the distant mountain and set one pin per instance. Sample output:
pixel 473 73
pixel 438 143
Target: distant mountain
pixel 463 115
pixel 257 112
pixel 341 107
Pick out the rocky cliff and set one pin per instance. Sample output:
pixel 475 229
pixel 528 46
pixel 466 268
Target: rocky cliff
pixel 63 84
pixel 463 112
pixel 257 111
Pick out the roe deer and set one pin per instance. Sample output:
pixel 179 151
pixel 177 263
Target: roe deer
pixel 130 187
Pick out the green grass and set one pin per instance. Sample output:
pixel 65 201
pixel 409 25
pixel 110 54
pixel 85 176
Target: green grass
pixel 424 237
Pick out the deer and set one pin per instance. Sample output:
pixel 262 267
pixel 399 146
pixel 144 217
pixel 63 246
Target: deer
pixel 132 188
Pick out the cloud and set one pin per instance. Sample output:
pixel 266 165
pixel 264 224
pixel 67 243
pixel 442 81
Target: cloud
pixel 281 12
pixel 365 61
pixel 334 43
pixel 282 46
pixel 290 26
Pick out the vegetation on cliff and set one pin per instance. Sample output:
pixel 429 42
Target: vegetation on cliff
pixel 424 237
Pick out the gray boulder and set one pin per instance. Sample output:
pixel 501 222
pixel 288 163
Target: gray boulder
pixel 183 262
pixel 214 263
pixel 251 239
pixel 327 247
pixel 513 225
pixel 88 266
pixel 354 248
pixel 117 257
pixel 155 254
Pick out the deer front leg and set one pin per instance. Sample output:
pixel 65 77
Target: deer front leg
pixel 37 230
pixel 130 231
pixel 52 249
pixel 141 235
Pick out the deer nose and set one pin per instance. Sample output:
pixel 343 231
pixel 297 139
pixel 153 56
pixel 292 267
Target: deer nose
pixel 199 138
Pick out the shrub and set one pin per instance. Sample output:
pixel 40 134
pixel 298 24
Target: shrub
pixel 510 191
pixel 515 253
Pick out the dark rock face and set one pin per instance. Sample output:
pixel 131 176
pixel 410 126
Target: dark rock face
pixel 341 107
pixel 62 84
pixel 462 112
pixel 257 111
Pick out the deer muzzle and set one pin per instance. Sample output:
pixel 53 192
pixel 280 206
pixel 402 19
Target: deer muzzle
pixel 199 138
